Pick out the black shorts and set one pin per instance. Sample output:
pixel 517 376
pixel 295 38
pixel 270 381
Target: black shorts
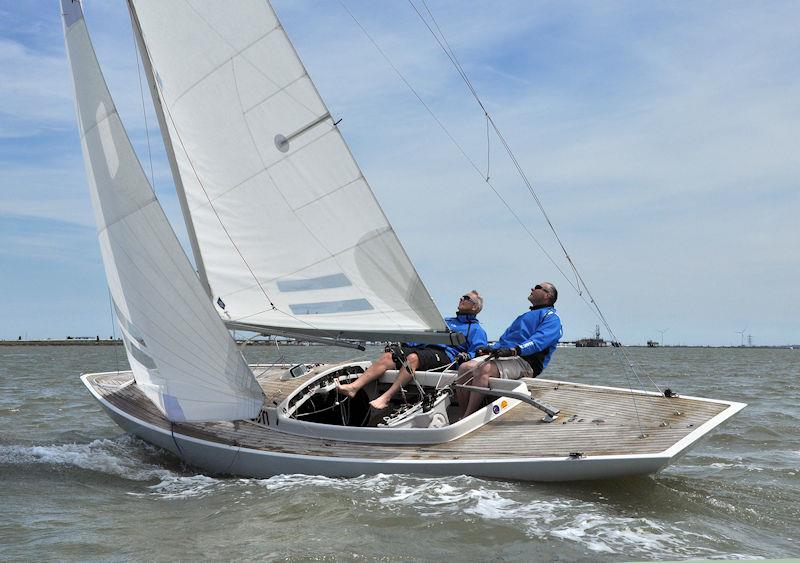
pixel 429 358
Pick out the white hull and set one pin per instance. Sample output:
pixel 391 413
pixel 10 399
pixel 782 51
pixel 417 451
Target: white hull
pixel 224 459
pixel 249 138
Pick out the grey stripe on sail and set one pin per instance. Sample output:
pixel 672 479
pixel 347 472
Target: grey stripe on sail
pixel 322 282
pixel 138 355
pixel 173 408
pixel 71 11
pixel 326 307
pixel 127 325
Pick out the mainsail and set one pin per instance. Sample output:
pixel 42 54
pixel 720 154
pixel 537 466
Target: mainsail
pixel 289 231
pixel 181 354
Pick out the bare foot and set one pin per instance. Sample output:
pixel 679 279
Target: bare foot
pixel 378 404
pixel 346 389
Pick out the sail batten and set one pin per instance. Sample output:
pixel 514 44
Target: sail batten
pixel 181 354
pixel 273 191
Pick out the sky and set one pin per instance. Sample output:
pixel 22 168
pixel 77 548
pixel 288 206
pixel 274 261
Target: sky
pixel 663 139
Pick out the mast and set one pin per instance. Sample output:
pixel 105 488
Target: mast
pixel 182 357
pixel 173 163
pixel 292 236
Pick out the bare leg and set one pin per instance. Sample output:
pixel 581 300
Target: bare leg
pixel 402 378
pixel 465 373
pixel 481 379
pixel 373 372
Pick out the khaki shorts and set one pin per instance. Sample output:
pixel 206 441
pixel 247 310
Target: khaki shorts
pixel 513 367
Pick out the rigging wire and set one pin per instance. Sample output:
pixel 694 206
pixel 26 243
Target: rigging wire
pixel 175 441
pixel 144 113
pixel 213 208
pixel 139 61
pixel 488 149
pixel 580 282
pixel 448 50
pixel 445 45
pixel 457 145
pixel 137 53
pixel 272 307
pixel 113 329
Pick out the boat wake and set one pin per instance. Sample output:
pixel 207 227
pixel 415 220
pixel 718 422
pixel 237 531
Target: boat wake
pixel 461 501
pixel 466 501
pixel 175 486
pixel 125 457
pixel 590 524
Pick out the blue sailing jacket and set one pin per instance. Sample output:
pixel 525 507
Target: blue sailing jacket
pixel 535 334
pixel 469 326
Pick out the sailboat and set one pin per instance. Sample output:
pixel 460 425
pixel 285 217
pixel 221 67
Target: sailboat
pixel 288 239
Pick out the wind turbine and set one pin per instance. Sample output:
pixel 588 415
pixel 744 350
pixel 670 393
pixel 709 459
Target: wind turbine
pixel 662 331
pixel 741 333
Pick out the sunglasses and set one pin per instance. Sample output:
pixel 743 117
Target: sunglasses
pixel 542 288
pixel 466 298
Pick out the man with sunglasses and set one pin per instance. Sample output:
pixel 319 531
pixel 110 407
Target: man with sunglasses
pixel 426 357
pixel 524 349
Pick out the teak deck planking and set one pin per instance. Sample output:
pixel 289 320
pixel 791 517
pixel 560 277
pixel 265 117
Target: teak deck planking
pixel 592 421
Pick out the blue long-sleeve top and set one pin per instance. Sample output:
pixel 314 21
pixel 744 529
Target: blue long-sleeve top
pixel 534 334
pixel 470 327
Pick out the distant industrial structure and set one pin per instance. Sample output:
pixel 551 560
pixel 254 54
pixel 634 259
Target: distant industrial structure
pixel 596 341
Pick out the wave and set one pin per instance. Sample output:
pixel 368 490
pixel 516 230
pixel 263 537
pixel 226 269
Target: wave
pixel 541 513
pixel 594 526
pixel 114 457
pixel 125 457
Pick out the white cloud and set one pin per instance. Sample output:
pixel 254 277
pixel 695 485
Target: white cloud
pixel 35 93
pixel 661 137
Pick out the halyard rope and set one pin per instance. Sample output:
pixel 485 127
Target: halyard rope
pixel 578 284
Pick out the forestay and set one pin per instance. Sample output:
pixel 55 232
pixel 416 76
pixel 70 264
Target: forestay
pixel 289 231
pixel 181 355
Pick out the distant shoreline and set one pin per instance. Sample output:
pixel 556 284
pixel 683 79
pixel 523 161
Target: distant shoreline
pixel 118 342
pixel 71 342
pixel 109 342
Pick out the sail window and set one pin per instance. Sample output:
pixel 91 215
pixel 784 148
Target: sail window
pixel 328 307
pixel 322 282
pixel 107 140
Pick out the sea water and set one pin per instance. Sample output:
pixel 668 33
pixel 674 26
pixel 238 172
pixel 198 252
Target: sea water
pixel 74 487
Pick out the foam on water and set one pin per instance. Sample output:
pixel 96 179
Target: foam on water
pixel 587 523
pixel 120 457
pixel 112 457
pixel 734 496
pixel 744 466
pixel 185 486
pixel 593 525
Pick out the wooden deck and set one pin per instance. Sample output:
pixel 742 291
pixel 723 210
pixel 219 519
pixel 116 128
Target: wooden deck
pixel 593 421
